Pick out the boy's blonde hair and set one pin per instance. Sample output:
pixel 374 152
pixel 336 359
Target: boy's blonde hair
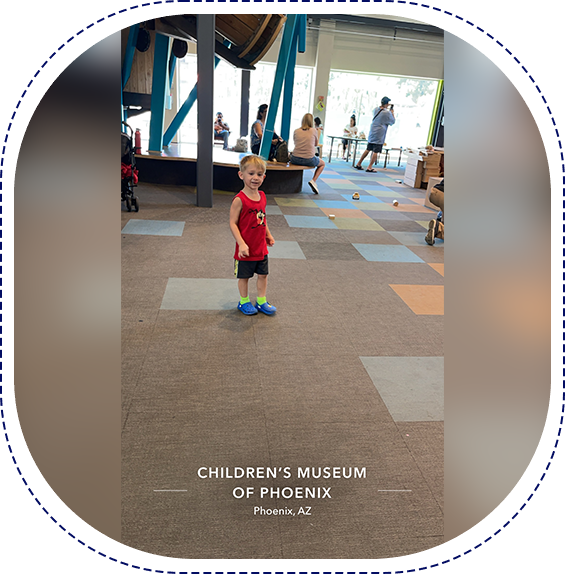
pixel 307 121
pixel 252 159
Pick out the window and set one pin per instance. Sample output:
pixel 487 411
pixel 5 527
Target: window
pixel 354 93
pixel 262 80
pixel 227 96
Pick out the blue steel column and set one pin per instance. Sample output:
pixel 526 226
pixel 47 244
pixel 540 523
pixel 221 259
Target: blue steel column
pixel 282 64
pixel 159 92
pixel 130 52
pixel 206 24
pixel 186 107
pixel 128 61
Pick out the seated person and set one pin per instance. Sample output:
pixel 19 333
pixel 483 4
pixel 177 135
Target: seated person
pixel 257 128
pixel 221 129
pixel 304 152
pixel 435 227
pixel 318 125
pixel 349 131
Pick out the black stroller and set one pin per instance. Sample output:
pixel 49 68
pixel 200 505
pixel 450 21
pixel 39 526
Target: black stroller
pixel 129 172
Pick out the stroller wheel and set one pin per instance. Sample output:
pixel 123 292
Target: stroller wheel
pixel 135 204
pixel 128 203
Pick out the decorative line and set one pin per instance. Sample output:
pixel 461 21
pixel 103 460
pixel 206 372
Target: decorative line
pixel 394 491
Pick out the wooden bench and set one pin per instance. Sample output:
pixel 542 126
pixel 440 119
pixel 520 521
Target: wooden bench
pixel 172 168
pixel 284 178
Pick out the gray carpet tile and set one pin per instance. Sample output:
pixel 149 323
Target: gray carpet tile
pixel 291 210
pixel 276 221
pixel 319 235
pixel 402 225
pixel 421 215
pixel 411 387
pixel 332 251
pixel 376 237
pixel 386 215
pixel 428 253
pixel 425 441
pixel 283 233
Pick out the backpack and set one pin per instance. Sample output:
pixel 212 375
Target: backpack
pixel 281 153
pixel 240 145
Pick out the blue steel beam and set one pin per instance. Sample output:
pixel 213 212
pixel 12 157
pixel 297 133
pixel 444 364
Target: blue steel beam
pixel 159 91
pixel 172 66
pixel 282 64
pixel 186 107
pixel 128 57
pixel 183 112
pixel 289 86
pixel 302 33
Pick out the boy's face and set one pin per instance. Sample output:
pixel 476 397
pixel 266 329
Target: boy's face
pixel 252 176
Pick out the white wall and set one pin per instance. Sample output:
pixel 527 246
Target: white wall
pixel 357 50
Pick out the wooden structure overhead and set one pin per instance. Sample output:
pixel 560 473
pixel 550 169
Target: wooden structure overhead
pixel 241 39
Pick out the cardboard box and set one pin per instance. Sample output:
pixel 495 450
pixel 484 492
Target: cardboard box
pixel 427 173
pixel 413 178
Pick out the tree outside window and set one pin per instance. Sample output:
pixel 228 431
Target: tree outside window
pixel 354 93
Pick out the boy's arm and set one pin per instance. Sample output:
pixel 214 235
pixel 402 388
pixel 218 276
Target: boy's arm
pixel 269 238
pixel 235 210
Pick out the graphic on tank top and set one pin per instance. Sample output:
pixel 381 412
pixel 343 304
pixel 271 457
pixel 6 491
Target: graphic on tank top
pixel 260 214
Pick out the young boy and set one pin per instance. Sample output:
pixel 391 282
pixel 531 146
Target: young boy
pixel 248 225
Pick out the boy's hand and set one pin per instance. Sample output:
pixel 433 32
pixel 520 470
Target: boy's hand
pixel 270 240
pixel 244 250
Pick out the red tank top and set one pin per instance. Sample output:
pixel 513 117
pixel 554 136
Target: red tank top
pixel 252 227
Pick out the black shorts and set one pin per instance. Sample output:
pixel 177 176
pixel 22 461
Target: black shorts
pixel 376 148
pixel 246 269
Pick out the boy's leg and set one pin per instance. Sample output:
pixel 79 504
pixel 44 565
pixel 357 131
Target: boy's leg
pixel 262 304
pixel 262 286
pixel 262 275
pixel 243 286
pixel 245 305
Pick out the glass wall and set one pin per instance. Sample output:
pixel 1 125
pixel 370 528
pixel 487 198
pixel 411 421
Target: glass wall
pixel 262 80
pixel 227 96
pixel 355 93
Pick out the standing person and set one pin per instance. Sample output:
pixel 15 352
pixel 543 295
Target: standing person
pixel 248 224
pixel 349 131
pixel 382 118
pixel 304 152
pixel 221 129
pixel 257 128
pixel 320 128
